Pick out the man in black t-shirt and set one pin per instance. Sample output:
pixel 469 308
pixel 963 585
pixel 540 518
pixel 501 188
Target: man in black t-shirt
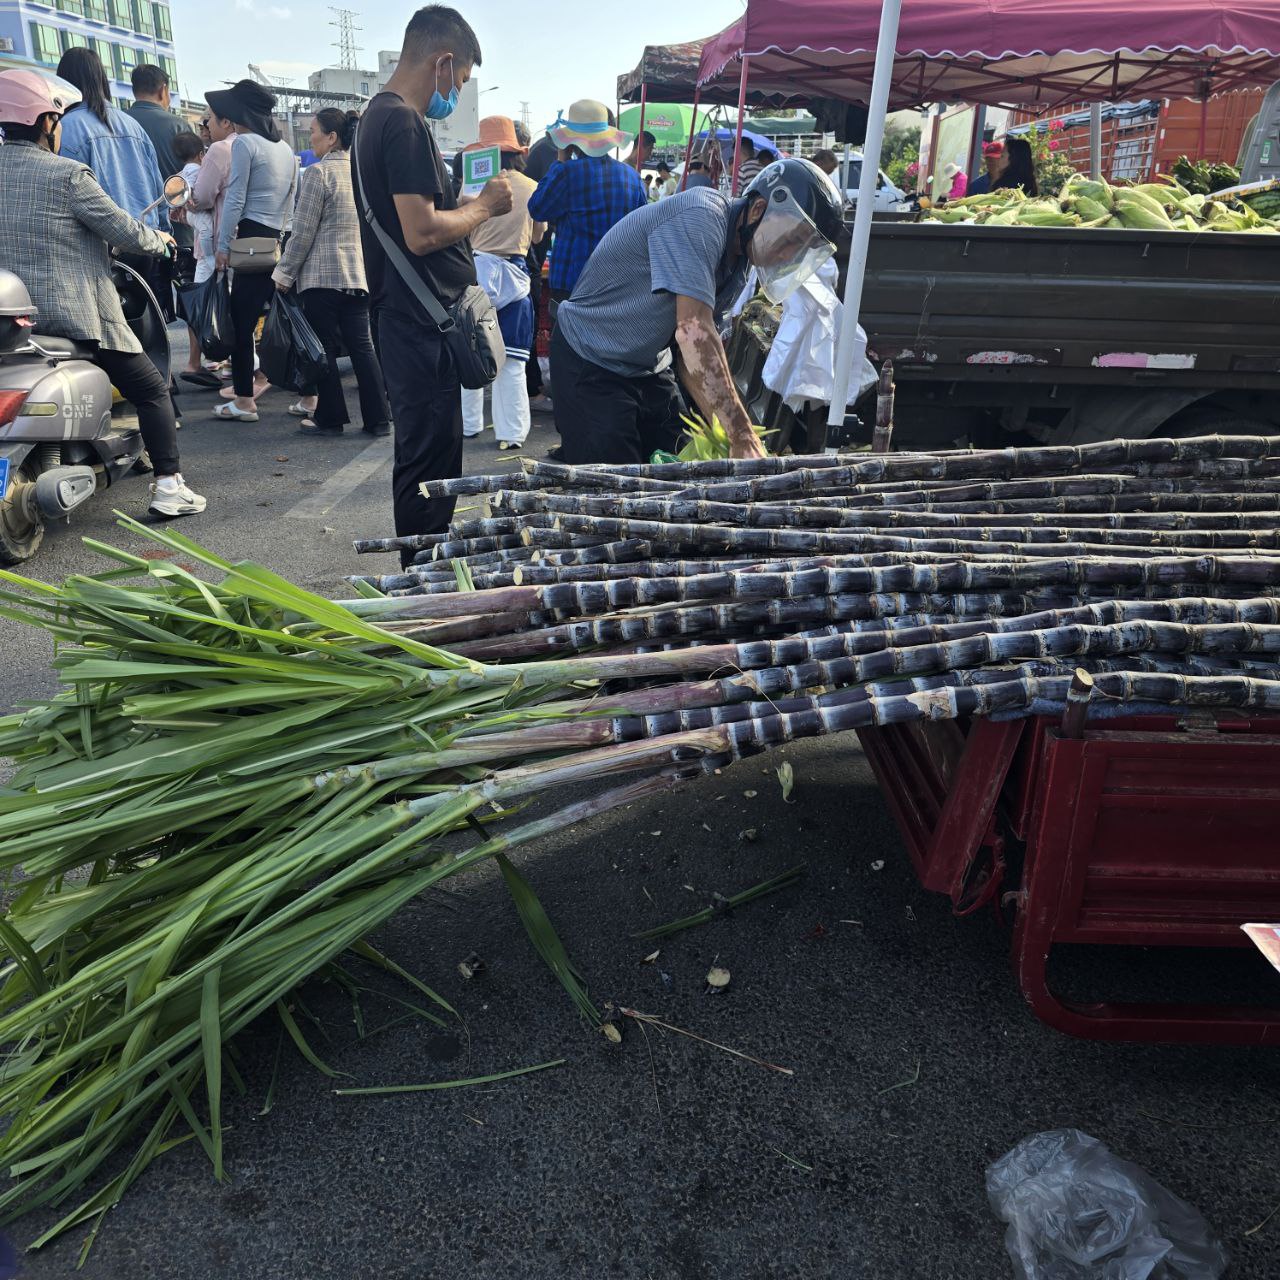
pixel 411 195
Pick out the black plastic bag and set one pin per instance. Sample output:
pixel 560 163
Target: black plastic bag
pixel 289 352
pixel 1077 1212
pixel 206 307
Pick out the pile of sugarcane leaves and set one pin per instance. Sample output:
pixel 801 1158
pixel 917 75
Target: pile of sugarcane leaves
pixel 242 780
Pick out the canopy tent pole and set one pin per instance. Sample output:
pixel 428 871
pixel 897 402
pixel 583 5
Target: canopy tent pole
pixel 1095 141
pixel 1204 128
pixel 844 173
pixel 877 110
pixel 693 129
pixel 644 102
pixel 742 111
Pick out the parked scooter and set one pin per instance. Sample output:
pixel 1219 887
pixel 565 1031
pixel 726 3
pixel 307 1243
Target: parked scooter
pixel 58 443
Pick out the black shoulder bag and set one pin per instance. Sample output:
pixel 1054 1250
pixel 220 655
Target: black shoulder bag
pixel 470 326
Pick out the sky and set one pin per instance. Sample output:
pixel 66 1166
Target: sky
pixel 548 55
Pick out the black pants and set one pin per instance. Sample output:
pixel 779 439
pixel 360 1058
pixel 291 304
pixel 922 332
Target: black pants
pixel 426 402
pixel 336 315
pixel 138 380
pixel 603 416
pixel 249 297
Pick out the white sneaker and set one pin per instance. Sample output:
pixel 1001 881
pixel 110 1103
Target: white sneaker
pixel 170 497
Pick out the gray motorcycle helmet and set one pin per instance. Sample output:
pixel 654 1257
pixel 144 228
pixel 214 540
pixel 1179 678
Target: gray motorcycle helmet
pixel 16 312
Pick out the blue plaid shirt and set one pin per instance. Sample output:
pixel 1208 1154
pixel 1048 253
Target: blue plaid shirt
pixel 583 198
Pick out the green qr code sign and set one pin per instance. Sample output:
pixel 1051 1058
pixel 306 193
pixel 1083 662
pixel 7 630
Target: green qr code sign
pixel 478 167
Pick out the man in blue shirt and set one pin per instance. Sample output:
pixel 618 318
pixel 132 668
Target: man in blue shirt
pixel 585 192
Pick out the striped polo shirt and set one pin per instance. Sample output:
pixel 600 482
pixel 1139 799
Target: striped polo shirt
pixel 622 315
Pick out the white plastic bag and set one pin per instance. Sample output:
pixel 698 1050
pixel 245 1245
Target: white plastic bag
pixel 801 362
pixel 1077 1212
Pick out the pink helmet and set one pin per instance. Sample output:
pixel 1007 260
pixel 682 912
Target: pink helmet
pixel 25 96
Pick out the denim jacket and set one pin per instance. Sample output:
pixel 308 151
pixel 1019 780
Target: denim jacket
pixel 121 157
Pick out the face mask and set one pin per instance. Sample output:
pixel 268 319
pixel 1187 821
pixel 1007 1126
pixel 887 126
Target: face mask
pixel 440 107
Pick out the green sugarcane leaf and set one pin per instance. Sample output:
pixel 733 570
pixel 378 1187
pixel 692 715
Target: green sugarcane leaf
pixel 449 1084
pixel 211 1038
pixel 295 1034
pixel 545 939
pixel 24 957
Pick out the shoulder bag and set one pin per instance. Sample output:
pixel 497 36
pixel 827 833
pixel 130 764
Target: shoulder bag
pixel 254 255
pixel 470 326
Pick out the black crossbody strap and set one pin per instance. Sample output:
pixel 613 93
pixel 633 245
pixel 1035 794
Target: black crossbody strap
pixel 396 256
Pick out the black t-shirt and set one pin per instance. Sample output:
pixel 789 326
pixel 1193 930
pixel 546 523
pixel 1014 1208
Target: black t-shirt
pixel 397 155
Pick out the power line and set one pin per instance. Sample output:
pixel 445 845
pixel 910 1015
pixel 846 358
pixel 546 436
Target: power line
pixel 345 44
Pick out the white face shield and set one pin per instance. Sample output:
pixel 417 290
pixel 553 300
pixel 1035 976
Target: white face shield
pixel 787 248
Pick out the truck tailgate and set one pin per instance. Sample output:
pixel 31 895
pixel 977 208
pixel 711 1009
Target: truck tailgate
pixel 1035 304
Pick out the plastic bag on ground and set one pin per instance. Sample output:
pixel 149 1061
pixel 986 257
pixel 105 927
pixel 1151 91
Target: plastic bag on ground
pixel 206 307
pixel 289 352
pixel 801 364
pixel 1078 1212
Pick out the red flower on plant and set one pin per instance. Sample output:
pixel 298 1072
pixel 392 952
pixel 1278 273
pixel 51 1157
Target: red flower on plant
pixel 1055 125
pixel 1054 145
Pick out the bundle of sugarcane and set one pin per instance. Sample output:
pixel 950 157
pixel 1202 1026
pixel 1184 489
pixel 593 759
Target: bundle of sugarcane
pixel 255 778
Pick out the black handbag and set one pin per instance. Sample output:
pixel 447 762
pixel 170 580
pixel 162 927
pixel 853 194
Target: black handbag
pixel 470 326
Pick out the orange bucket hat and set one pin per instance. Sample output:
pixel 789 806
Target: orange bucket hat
pixel 500 132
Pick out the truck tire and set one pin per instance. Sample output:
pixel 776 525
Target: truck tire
pixel 21 525
pixel 1209 420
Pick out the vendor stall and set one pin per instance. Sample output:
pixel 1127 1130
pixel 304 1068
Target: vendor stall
pixel 1039 54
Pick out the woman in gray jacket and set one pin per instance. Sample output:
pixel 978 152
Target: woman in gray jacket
pixel 258 203
pixel 323 259
pixel 56 228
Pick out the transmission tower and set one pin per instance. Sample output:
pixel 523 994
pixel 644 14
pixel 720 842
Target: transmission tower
pixel 524 114
pixel 345 21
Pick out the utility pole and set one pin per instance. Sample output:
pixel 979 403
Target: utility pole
pixel 345 21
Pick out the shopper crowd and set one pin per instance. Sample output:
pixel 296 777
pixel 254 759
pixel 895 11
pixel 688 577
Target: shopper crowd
pixel 609 275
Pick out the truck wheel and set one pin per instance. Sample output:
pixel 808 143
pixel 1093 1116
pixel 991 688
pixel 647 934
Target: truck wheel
pixel 1209 421
pixel 21 525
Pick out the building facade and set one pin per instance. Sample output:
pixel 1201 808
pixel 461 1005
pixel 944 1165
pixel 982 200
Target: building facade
pixel 124 34
pixel 460 129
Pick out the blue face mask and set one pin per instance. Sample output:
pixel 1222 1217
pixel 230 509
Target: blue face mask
pixel 440 107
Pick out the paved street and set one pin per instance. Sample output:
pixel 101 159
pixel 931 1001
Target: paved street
pixel 915 1060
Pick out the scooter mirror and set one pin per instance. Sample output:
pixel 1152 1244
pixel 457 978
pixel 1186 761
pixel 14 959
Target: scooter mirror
pixel 177 191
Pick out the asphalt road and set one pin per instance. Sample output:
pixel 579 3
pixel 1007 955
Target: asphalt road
pixel 915 1061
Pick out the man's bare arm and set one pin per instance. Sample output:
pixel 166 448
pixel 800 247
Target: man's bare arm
pixel 704 367
pixel 427 229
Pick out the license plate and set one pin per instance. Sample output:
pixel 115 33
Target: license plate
pixel 4 477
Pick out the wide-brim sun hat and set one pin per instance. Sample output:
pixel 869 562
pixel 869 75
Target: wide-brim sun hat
pixel 951 170
pixel 500 132
pixel 586 126
pixel 246 102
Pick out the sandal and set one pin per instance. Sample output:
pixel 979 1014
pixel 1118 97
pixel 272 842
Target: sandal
pixel 230 413
pixel 308 427
pixel 202 378
pixel 298 411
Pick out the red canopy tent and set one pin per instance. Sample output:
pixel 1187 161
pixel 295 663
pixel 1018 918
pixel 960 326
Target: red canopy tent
pixel 1036 53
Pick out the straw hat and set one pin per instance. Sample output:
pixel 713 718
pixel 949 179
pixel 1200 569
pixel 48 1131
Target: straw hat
pixel 586 126
pixel 500 132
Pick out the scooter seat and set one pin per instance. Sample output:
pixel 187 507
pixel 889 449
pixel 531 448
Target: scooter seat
pixel 70 348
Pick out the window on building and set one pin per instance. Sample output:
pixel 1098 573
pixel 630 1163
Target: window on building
pixel 104 51
pixel 364 87
pixel 121 14
pixel 96 9
pixel 164 23
pixel 45 46
pixel 126 60
pixel 72 6
pixel 73 40
pixel 142 19
pixel 170 68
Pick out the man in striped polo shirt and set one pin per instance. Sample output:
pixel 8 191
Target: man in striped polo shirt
pixel 663 277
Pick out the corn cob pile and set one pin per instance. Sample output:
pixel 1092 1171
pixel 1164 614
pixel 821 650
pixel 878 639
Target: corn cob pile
pixel 255 778
pixel 1163 205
